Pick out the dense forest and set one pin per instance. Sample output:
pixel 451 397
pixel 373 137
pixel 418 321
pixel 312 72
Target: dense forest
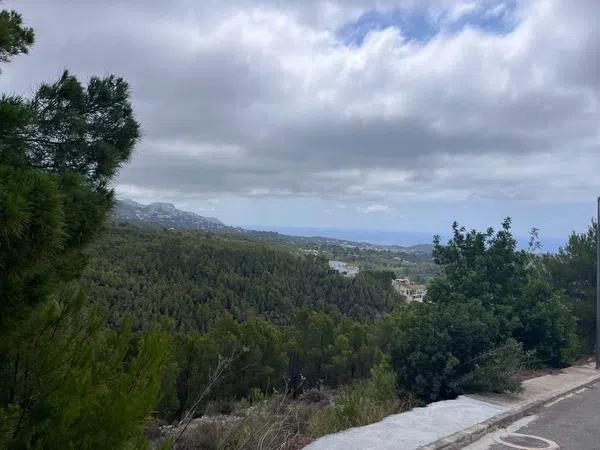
pixel 286 317
pixel 194 277
pixel 414 261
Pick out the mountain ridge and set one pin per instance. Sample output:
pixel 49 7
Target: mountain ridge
pixel 166 215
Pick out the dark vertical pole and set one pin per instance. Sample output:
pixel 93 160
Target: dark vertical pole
pixel 598 287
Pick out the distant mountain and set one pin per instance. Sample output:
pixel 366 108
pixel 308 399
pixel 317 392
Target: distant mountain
pixel 164 215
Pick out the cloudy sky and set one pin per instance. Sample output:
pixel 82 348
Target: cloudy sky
pixel 372 114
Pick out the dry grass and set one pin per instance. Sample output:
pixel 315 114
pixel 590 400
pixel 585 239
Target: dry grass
pixel 279 423
pixel 353 409
pixel 275 423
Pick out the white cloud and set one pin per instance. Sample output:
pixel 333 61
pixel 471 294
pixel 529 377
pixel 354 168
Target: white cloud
pixel 250 99
pixel 461 9
pixel 496 11
pixel 375 208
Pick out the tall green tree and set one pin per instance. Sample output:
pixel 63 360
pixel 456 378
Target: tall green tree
pixel 15 38
pixel 58 152
pixel 66 380
pixel 69 381
pixel 483 265
pixel 573 271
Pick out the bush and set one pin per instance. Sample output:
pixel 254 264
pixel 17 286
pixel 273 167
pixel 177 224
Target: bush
pixel 435 346
pixel 548 327
pixel 349 410
pixel 490 304
pixel 382 386
pixel 205 435
pixel 573 271
pixel 495 371
pixel 360 404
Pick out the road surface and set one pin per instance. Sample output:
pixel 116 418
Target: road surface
pixel 571 422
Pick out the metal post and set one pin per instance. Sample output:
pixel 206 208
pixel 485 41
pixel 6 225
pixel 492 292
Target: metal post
pixel 598 287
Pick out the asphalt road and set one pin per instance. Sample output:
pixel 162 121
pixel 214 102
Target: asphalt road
pixel 572 422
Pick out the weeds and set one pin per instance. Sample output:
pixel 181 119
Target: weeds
pixel 361 403
pixel 281 423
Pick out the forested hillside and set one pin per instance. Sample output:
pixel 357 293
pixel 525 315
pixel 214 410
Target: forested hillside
pixel 286 321
pixel 413 261
pixel 195 277
pixel 106 329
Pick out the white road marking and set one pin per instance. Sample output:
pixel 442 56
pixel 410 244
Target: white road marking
pixel 559 399
pixel 490 439
pixel 550 445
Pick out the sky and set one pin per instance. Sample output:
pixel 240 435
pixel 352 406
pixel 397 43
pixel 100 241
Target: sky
pixel 354 114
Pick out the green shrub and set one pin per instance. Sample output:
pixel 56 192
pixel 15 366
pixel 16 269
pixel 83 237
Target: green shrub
pixel 573 271
pixel 491 303
pixel 360 404
pixel 548 326
pixel 495 371
pixel 382 386
pixel 434 346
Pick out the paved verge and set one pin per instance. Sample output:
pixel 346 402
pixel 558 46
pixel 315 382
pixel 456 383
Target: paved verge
pixel 537 391
pixel 413 428
pixel 570 422
pixel 453 424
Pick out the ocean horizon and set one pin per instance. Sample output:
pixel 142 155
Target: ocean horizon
pixel 387 237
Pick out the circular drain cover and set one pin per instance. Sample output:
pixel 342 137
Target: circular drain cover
pixel 526 442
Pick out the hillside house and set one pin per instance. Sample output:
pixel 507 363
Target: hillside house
pixel 343 268
pixel 412 292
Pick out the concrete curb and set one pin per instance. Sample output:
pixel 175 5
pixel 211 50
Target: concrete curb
pixel 465 437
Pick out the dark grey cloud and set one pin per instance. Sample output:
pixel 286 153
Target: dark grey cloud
pixel 252 98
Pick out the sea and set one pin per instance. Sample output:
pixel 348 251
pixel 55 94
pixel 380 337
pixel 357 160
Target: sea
pixel 387 237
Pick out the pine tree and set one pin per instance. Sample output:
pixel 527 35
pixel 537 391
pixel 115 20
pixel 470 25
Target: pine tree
pixel 66 379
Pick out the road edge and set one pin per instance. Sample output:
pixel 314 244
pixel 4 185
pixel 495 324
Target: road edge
pixel 472 434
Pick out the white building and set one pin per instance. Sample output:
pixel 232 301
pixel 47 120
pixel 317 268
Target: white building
pixel 412 292
pixel 343 268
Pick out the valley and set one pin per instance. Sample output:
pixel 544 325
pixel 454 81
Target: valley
pixel 414 261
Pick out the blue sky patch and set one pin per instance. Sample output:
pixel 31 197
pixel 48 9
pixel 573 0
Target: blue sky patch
pixel 493 16
pixel 415 26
